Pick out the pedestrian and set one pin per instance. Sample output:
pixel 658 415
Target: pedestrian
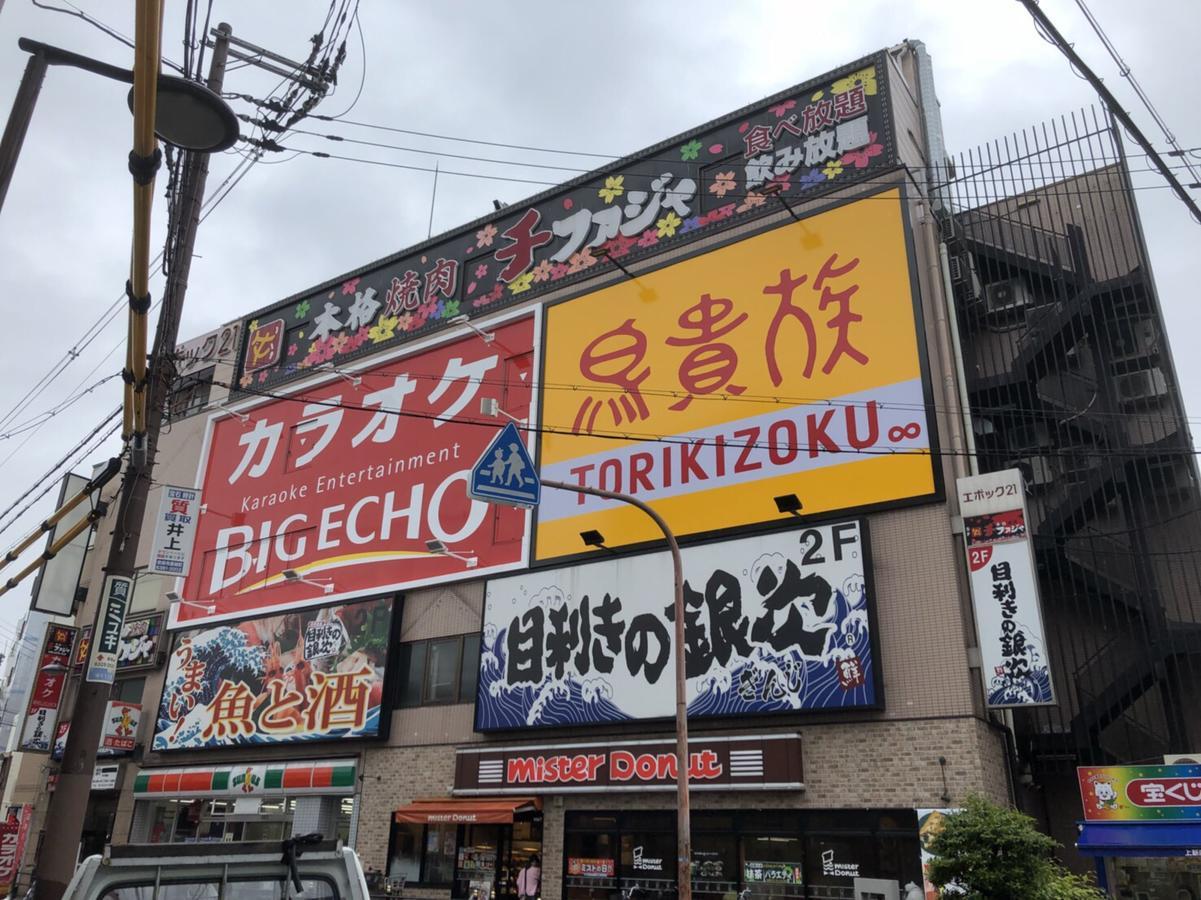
pixel 529 879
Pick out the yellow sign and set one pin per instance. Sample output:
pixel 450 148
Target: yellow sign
pixel 786 363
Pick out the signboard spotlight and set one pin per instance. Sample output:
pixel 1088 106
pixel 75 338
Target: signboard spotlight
pixel 776 189
pixel 593 538
pixel 486 336
pixel 206 608
pixel 353 380
pixel 440 549
pixel 241 417
pixel 326 584
pixel 789 504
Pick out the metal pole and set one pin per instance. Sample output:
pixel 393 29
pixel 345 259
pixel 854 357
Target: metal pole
pixel 683 806
pixel 18 119
pixel 69 802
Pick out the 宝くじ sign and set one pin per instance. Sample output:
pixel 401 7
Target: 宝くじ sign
pixel 773 623
pixel 787 362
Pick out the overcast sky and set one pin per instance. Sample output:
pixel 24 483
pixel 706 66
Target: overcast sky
pixel 603 78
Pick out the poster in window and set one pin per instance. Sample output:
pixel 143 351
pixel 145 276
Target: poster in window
pixel 773 623
pixel 280 679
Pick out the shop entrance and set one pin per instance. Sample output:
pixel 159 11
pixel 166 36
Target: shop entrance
pixel 1161 878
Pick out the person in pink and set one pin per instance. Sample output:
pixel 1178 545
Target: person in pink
pixel 529 879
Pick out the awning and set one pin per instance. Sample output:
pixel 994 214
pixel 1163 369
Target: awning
pixel 1141 839
pixel 468 811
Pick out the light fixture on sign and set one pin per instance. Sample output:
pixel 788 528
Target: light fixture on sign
pixel 789 504
pixel 776 189
pixel 593 538
pixel 207 608
pixel 440 549
pixel 326 584
pixel 486 336
pixel 490 406
pixel 353 380
pixel 241 417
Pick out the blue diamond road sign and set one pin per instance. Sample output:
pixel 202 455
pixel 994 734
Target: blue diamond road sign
pixel 505 473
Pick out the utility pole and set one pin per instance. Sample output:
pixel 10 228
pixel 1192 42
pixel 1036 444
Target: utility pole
pixel 68 803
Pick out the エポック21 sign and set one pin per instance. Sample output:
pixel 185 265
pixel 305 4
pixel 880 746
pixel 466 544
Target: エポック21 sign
pixel 346 483
pixel 774 623
pixel 830 132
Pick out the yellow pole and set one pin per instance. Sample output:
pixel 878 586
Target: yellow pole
pixel 143 164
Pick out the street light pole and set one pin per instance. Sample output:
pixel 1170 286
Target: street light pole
pixel 19 118
pixel 683 807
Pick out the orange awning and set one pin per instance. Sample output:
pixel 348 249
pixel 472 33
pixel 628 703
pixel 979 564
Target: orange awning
pixel 490 811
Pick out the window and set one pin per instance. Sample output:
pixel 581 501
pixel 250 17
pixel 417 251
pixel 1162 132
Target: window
pixel 128 690
pixel 423 854
pixel 442 670
pixel 190 393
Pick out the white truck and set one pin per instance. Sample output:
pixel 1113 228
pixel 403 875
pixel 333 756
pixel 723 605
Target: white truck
pixel 300 868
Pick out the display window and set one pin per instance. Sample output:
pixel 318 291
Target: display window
pixel 480 861
pixel 749 854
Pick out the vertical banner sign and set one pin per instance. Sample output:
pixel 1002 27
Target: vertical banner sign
pixel 10 859
pixel 174 530
pixel 1005 590
pixel 774 623
pixel 47 690
pixel 929 826
pixel 106 644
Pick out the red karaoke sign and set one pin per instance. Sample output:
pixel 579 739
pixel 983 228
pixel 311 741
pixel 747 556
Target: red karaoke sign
pixel 344 483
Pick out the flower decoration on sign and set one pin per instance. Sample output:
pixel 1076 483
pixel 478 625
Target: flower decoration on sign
pixel 521 283
pixel 350 285
pixel 723 183
pixel 481 270
pixel 752 200
pixel 384 329
pixel 581 261
pixel 781 108
pixel 833 169
pixel 361 337
pixel 865 77
pixel 406 322
pixel 292 348
pixel 722 212
pixel 338 343
pixel 691 150
pixel 692 223
pixel 428 309
pixel 450 309
pixel 784 178
pixel 862 157
pixel 619 246
pixel 812 177
pixel 263 376
pixel 254 325
pixel 302 309
pixel 246 380
pixel 557 271
pixel 614 188
pixel 649 238
pixel 666 227
pixel 541 272
pixel 484 237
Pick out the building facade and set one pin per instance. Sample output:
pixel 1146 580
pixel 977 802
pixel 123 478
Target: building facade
pixel 747 327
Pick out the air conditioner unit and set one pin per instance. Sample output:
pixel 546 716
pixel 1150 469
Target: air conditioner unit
pixel 1004 296
pixel 963 276
pixel 1141 342
pixel 1141 386
pixel 1037 470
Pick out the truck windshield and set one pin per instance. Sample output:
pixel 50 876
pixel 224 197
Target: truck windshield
pixel 240 888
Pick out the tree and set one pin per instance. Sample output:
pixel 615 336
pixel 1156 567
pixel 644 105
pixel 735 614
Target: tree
pixel 992 852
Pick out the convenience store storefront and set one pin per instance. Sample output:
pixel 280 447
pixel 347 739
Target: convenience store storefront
pixel 244 802
pixel 614 826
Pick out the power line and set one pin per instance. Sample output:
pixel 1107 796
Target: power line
pixel 1128 73
pixel 541 429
